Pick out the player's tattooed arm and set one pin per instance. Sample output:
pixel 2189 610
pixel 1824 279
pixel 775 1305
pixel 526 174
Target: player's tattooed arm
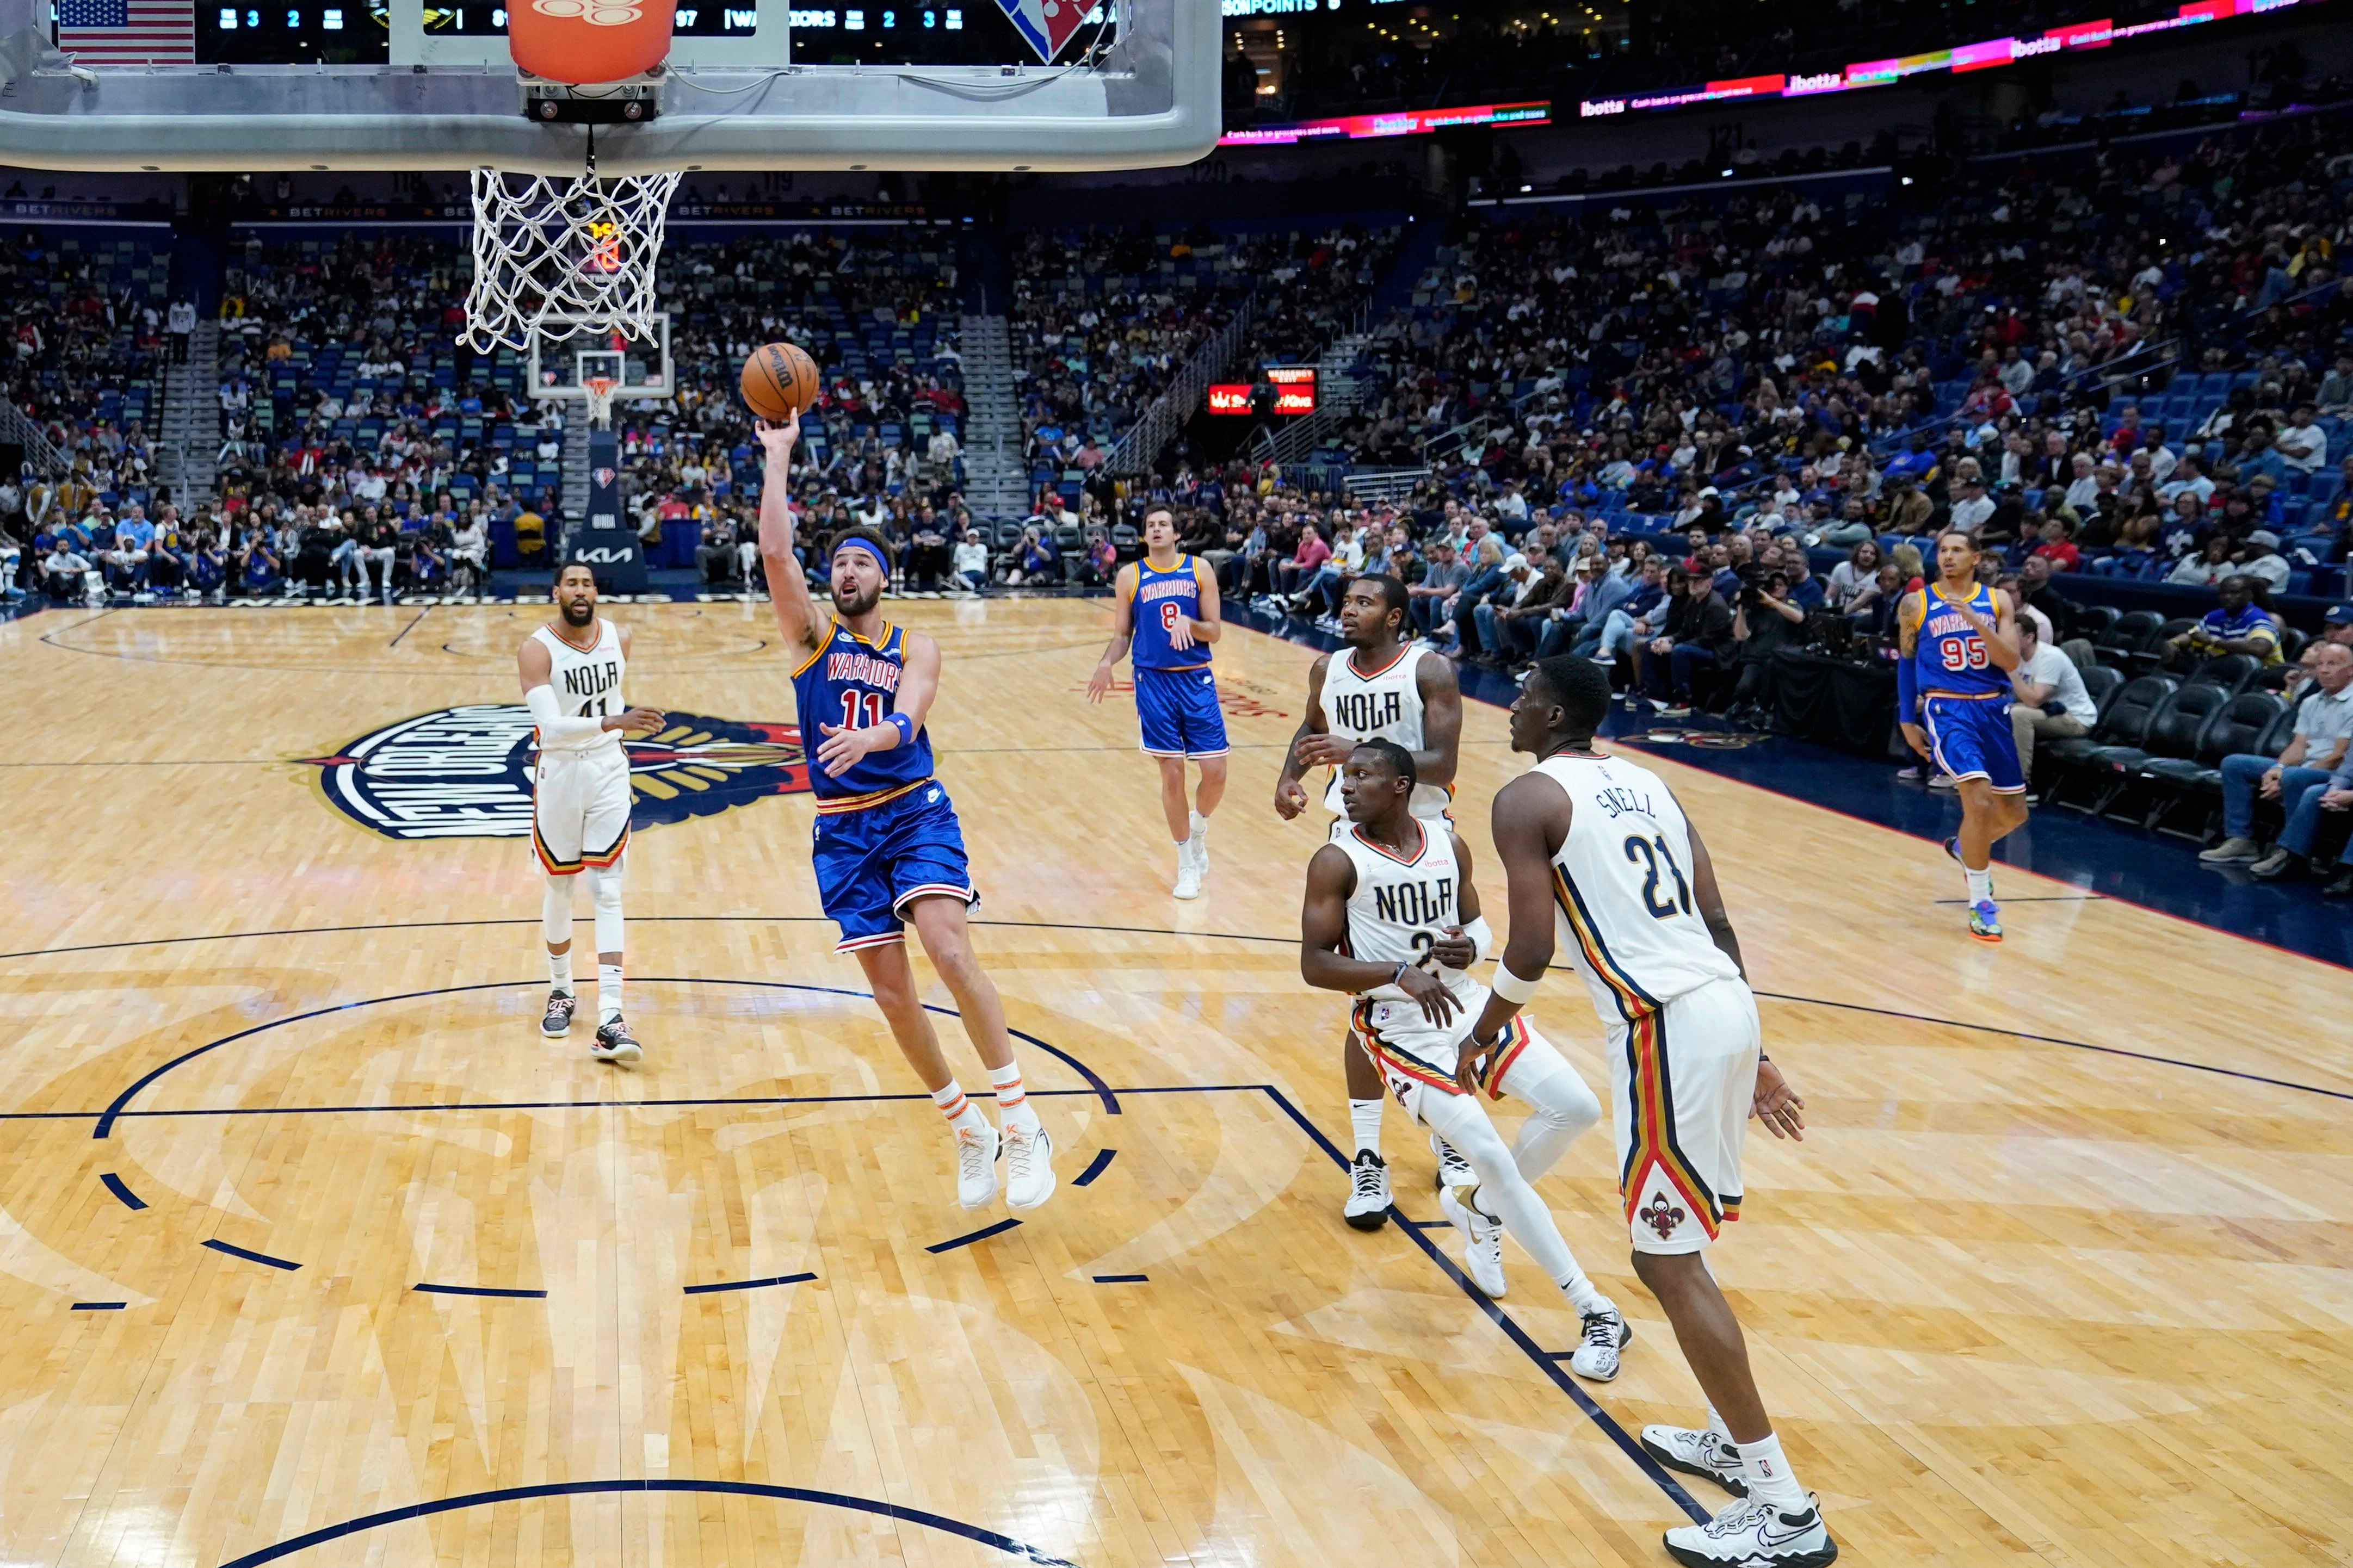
pixel 788 589
pixel 1442 720
pixel 1123 632
pixel 1306 750
pixel 1907 642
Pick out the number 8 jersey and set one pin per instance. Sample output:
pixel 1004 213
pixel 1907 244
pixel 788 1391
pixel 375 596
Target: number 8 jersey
pixel 853 684
pixel 1621 885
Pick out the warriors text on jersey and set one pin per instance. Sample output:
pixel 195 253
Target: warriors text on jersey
pixel 1157 600
pixel 1622 884
pixel 1950 658
pixel 586 685
pixel 1383 705
pixel 853 684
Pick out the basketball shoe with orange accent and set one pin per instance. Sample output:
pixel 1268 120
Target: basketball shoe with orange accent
pixel 1985 921
pixel 977 1150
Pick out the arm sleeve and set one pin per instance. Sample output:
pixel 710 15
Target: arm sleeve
pixel 554 728
pixel 1907 690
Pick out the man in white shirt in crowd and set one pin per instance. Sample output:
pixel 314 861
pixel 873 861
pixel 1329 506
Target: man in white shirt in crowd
pixel 2262 560
pixel 970 565
pixel 1973 505
pixel 2324 731
pixel 2302 446
pixel 2047 696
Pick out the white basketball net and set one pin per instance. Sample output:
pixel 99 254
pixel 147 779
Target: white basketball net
pixel 558 256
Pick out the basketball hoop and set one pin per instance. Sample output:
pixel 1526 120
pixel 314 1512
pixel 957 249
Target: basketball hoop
pixel 601 393
pixel 554 255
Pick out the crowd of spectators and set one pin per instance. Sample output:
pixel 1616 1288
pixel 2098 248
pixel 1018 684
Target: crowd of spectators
pixel 1103 317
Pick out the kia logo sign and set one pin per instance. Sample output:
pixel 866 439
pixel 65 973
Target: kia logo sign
pixel 601 556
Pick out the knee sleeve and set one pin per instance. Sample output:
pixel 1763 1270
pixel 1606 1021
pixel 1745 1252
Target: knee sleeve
pixel 607 885
pixel 1560 1110
pixel 556 911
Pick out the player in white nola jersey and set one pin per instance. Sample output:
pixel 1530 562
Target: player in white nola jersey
pixel 572 671
pixel 1391 916
pixel 1600 858
pixel 1381 686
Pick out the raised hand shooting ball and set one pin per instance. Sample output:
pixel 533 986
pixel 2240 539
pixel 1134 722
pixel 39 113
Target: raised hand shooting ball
pixel 778 382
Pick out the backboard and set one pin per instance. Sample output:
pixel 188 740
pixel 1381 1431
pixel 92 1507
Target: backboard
pixel 561 364
pixel 1140 89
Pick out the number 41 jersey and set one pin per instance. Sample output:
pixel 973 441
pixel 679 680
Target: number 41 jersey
pixel 1621 883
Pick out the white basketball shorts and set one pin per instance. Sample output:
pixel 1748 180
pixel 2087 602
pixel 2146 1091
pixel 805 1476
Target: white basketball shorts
pixel 580 808
pixel 1681 1083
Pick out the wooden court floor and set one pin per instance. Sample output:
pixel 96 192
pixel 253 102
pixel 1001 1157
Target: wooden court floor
pixel 2064 1272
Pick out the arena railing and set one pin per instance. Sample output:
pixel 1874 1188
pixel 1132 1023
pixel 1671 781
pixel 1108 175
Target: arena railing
pixel 19 428
pixel 1140 446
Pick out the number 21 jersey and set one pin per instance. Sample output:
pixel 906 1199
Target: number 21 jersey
pixel 1621 886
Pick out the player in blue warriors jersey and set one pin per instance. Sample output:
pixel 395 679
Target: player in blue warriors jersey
pixel 1959 643
pixel 888 848
pixel 1166 618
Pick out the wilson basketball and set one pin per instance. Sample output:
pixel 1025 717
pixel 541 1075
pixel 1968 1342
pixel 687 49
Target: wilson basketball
pixel 779 380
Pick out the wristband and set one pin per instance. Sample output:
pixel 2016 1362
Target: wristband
pixel 1907 690
pixel 1396 975
pixel 1482 940
pixel 904 725
pixel 1510 987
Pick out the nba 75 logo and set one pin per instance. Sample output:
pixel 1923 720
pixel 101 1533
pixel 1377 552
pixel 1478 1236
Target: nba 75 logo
pixel 465 773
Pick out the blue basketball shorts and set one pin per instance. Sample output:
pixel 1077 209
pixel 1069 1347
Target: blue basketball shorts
pixel 1178 709
pixel 872 863
pixel 1972 740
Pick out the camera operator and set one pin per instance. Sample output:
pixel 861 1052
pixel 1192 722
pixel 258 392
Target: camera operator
pixel 1765 621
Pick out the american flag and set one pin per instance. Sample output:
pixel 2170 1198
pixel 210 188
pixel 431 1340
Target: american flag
pixel 128 32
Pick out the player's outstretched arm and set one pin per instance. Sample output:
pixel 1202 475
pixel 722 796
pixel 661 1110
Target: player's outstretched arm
pixel 1123 632
pixel 1442 720
pixel 1309 744
pixel 1530 822
pixel 919 684
pixel 788 590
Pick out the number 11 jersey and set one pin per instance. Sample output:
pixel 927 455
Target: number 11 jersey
pixel 1621 885
pixel 852 684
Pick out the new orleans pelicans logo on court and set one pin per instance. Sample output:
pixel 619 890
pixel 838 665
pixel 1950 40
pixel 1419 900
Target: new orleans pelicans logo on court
pixel 465 773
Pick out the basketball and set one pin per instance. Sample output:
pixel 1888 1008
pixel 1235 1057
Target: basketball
pixel 779 380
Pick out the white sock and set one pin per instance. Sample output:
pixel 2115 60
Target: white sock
pixel 1980 884
pixel 1715 1424
pixel 1200 828
pixel 962 1114
pixel 1013 1108
pixel 559 970
pixel 1769 1480
pixel 1365 1117
pixel 608 992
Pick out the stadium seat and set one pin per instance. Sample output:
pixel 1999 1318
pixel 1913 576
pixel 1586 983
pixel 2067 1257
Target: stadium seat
pixel 2118 743
pixel 2178 745
pixel 2149 656
pixel 2124 636
pixel 2232 671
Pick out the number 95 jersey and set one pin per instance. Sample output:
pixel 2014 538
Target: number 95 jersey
pixel 1621 886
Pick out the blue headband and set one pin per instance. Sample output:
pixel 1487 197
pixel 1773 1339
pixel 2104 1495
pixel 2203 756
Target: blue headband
pixel 868 545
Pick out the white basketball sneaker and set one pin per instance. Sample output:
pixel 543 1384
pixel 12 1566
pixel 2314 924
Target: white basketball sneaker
pixel 1482 1256
pixel 1028 1167
pixel 1368 1207
pixel 1190 869
pixel 976 1151
pixel 1753 1534
pixel 1707 1454
pixel 1453 1170
pixel 1596 1356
